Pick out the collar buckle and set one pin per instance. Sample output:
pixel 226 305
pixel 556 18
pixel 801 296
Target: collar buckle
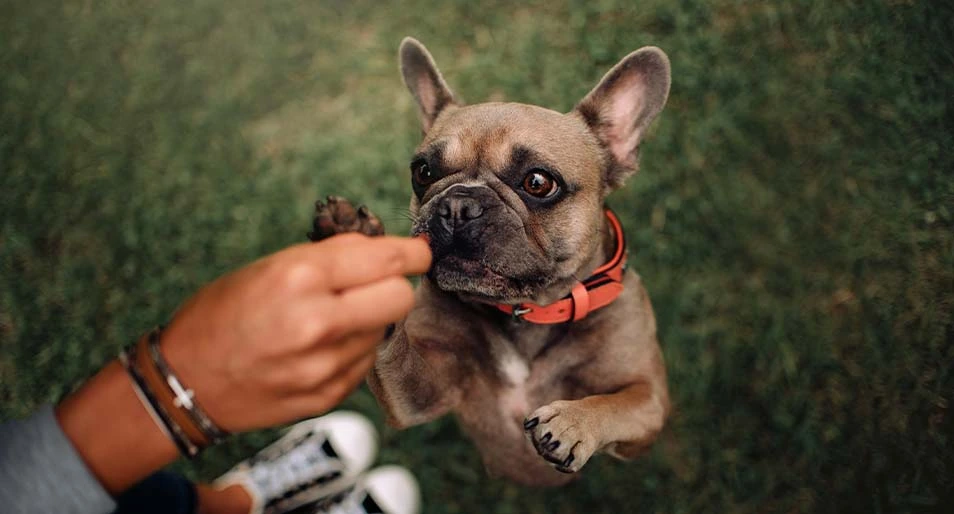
pixel 518 312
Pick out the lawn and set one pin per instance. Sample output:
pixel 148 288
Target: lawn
pixel 793 218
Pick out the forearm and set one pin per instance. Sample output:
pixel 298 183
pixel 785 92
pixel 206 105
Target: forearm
pixel 112 431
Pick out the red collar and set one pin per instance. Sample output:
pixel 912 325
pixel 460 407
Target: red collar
pixel 599 290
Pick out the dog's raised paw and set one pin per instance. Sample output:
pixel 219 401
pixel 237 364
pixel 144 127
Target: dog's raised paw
pixel 337 215
pixel 559 433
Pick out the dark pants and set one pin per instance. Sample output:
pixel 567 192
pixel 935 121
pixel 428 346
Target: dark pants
pixel 159 493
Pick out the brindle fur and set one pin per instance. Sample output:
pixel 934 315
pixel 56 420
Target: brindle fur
pixel 538 400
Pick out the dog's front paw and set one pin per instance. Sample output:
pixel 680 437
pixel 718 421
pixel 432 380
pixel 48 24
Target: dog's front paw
pixel 561 435
pixel 337 215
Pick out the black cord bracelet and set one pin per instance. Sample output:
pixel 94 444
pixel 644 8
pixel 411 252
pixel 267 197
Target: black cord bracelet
pixel 172 430
pixel 185 398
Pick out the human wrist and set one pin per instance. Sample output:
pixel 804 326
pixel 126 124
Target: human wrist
pixel 171 403
pixel 112 431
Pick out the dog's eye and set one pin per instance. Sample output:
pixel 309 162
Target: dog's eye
pixel 422 173
pixel 540 184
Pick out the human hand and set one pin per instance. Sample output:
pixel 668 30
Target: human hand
pixel 292 334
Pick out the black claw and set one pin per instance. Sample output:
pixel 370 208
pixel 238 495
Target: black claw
pixel 561 469
pixel 553 446
pixel 530 423
pixel 568 461
pixel 363 211
pixel 319 205
pixel 546 438
pixel 331 199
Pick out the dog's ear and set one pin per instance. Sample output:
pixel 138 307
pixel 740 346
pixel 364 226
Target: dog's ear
pixel 623 104
pixel 424 81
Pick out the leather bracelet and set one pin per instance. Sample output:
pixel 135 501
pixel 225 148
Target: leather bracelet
pixel 166 398
pixel 128 358
pixel 184 397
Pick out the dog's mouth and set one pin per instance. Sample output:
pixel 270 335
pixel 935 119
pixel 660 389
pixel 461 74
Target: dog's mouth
pixel 469 267
pixel 478 281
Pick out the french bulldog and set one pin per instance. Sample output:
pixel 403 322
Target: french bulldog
pixel 527 326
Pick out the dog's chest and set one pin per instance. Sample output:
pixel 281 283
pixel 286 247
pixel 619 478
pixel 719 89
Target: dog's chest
pixel 514 373
pixel 523 384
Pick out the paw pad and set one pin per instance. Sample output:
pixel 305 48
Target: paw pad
pixel 337 215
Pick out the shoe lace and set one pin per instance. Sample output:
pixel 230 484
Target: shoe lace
pixel 348 501
pixel 305 464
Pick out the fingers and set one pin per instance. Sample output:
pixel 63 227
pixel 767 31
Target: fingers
pixel 352 259
pixel 354 348
pixel 333 391
pixel 323 363
pixel 377 304
pixel 332 319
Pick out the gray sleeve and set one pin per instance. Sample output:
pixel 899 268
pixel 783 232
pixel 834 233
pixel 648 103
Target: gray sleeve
pixel 41 472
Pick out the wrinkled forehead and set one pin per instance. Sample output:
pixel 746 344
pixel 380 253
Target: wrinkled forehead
pixel 489 135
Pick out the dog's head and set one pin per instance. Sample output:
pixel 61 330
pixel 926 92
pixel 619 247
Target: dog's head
pixel 511 195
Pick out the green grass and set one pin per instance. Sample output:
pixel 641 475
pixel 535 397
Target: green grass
pixel 793 219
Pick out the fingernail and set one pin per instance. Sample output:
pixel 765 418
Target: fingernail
pixel 530 423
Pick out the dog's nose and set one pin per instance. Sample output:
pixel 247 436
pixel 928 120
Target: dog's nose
pixel 458 209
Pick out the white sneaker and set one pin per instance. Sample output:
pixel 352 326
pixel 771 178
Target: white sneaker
pixel 317 456
pixel 384 490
